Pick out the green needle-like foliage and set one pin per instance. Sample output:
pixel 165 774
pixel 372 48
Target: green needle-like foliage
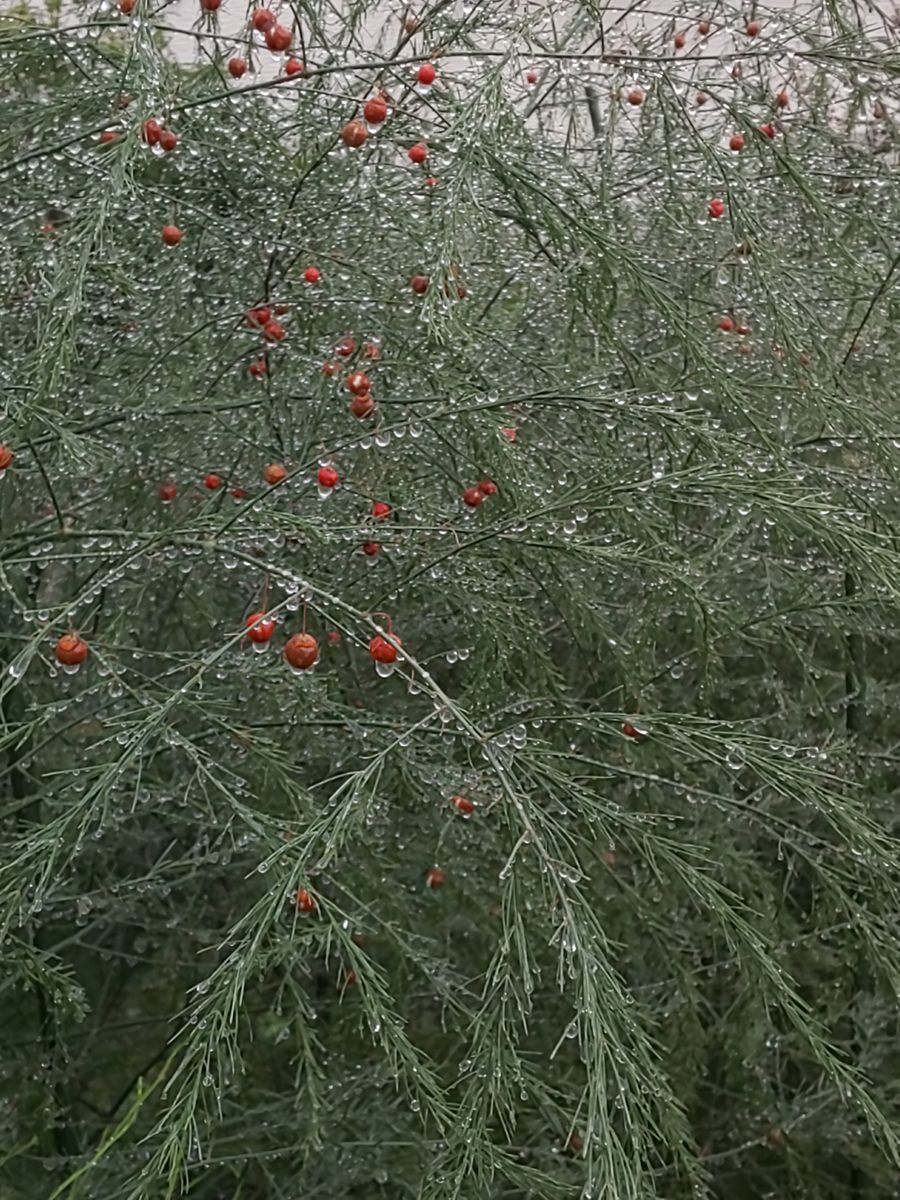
pixel 593 891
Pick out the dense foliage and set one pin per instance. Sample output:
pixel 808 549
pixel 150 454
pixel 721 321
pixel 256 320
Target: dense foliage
pixel 592 891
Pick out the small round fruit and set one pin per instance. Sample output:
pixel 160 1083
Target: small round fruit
pixel 150 132
pixel 260 628
pixel 278 39
pixel 426 75
pixel 210 5
pixel 306 903
pixel 703 28
pixel 488 487
pixel 70 650
pixel 108 136
pixel 258 369
pixel 382 650
pixel 431 181
pixel 168 140
pixel 472 497
pixel 274 474
pixel 330 369
pixel 418 153
pixel 375 111
pixel 312 275
pixel 362 406
pixel 345 347
pixel 463 805
pixel 742 330
pixel 6 457
pixel 736 142
pixel 126 6
pixel 435 878
pixel 259 316
pixel 301 651
pixel 768 129
pixel 752 29
pixel 679 41
pixel 167 492
pixel 716 209
pixel 782 99
pixel 370 549
pixel 171 235
pixel 380 510
pixel 238 493
pixel 293 67
pixel 635 97
pixel 262 19
pixel 531 78
pixel 726 324
pixel 212 482
pixel 358 382
pixel 354 134
pixel 273 331
pixel 700 99
pixel 237 67
pixel 419 284
pixel 328 477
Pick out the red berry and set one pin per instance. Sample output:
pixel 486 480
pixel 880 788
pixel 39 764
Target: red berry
pixel 328 477
pixel 294 66
pixel 726 324
pixel 330 369
pixel 768 129
pixel 782 99
pixel 6 457
pixel 273 331
pixel 358 382
pixel 70 650
pixel 635 97
pixel 382 650
pixel 510 432
pixel 167 492
pixel 278 39
pixel 375 111
pixel 716 209
pixel 743 330
pixel 260 628
pixel 210 5
pixel 488 487
pixel 370 549
pixel 531 77
pixel 380 510
pixel 679 41
pixel 372 350
pixel 151 131
pixel 346 347
pixel 238 493
pixel 171 235
pixel 126 6
pixel 736 142
pixel 305 902
pixel 700 99
pixel 258 369
pixel 274 473
pixel 419 284
pixel 334 637
pixel 213 482
pixel 259 316
pixel 262 19
pixel 463 804
pixel 426 75
pixel 301 651
pixel 431 181
pixel 237 67
pixel 632 731
pixel 168 140
pixel 752 28
pixel 354 134
pixel 472 497
pixel 703 28
pixel 435 878
pixel 418 153
pixel 362 406
pixel 312 275
pixel 107 136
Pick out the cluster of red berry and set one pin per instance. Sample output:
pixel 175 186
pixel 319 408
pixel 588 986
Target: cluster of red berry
pixel 474 497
